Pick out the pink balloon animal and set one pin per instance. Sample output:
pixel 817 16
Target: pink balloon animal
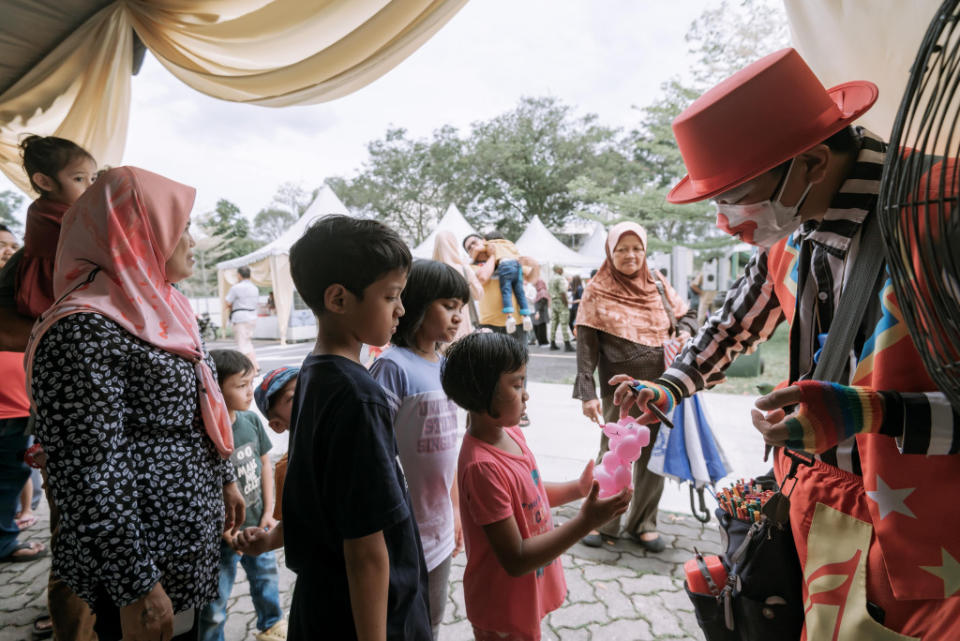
pixel 627 439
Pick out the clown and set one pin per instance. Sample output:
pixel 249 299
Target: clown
pixel 788 172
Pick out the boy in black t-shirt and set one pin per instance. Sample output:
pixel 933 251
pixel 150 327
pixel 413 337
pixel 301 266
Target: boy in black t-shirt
pixel 255 479
pixel 349 531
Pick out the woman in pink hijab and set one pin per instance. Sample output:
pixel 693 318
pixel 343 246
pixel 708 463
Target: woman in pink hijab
pixel 130 414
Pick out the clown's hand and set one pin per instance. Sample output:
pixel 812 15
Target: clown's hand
pixel 825 414
pixel 632 392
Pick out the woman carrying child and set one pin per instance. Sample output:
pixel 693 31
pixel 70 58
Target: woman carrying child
pixel 129 412
pixel 513 576
pixel 426 420
pixel 59 170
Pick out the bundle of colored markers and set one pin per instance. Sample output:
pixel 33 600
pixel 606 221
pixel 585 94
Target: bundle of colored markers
pixel 744 499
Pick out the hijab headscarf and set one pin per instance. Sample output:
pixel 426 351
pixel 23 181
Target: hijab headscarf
pixel 629 306
pixel 542 291
pixel 111 260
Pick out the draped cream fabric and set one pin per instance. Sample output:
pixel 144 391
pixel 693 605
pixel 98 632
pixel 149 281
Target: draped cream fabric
pixel 874 40
pixel 273 53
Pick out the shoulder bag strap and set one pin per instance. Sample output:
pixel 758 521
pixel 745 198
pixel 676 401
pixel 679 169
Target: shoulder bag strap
pixel 853 303
pixel 667 307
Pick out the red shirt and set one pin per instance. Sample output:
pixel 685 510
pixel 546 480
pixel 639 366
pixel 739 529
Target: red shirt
pixel 495 485
pixel 13 388
pixel 34 293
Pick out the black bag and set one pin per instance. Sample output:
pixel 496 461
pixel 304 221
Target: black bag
pixel 762 599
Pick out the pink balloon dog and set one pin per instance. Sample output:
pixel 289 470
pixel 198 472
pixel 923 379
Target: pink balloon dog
pixel 627 440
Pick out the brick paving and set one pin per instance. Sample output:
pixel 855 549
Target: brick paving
pixel 614 594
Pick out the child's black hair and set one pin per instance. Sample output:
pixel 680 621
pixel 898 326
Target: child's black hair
pixel 352 252
pixel 468 237
pixel 48 155
pixel 473 367
pixel 229 362
pixel 428 280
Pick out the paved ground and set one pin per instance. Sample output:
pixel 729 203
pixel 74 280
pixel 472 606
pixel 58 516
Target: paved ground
pixel 620 593
pixel 623 593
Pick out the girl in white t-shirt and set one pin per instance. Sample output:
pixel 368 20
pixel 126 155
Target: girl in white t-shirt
pixel 426 420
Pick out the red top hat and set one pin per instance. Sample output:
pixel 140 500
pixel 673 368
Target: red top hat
pixel 761 116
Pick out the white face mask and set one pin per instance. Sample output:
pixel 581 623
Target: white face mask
pixel 763 223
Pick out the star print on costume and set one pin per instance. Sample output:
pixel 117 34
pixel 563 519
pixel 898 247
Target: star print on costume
pixel 889 500
pixel 949 571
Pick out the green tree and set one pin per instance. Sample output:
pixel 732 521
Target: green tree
pixel 524 160
pixel 269 223
pixel 231 230
pixel 10 201
pixel 723 40
pixel 730 36
pixel 293 198
pixel 408 183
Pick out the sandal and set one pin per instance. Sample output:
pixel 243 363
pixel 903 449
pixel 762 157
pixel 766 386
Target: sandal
pixel 597 540
pixel 24 558
pixel 42 627
pixel 653 545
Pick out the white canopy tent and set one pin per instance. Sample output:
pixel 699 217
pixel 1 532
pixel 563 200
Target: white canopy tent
pixel 595 246
pixel 538 243
pixel 270 265
pixel 452 221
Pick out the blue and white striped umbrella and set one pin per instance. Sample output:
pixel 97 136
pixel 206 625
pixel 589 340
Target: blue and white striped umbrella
pixel 689 452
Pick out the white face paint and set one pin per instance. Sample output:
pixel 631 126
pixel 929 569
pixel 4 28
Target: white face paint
pixel 765 222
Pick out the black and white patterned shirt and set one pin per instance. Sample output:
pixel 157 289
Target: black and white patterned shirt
pixel 751 312
pixel 137 482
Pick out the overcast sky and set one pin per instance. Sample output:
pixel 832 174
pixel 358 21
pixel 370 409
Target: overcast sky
pixel 602 57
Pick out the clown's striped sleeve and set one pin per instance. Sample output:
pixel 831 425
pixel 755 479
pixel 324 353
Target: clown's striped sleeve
pixel 749 315
pixel 922 423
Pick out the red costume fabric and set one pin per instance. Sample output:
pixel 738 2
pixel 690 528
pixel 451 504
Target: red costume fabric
pixel 888 537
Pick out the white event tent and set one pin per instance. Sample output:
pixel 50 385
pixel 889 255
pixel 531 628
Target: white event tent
pixel 537 242
pixel 452 221
pixel 595 246
pixel 270 265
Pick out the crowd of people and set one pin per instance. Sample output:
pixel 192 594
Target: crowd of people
pixel 159 477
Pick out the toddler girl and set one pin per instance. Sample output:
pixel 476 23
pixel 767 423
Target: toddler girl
pixel 60 171
pixel 513 576
pixel 426 420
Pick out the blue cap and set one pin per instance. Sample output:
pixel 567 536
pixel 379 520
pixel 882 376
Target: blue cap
pixel 273 381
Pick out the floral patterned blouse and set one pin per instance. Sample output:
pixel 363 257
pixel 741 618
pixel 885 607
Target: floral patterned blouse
pixel 137 482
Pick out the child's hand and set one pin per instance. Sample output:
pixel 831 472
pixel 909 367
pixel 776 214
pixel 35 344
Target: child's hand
pixel 231 540
pixel 252 541
pixel 457 533
pixel 597 511
pixel 268 522
pixel 586 479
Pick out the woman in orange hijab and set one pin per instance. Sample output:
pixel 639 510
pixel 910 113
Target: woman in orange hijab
pixel 622 323
pixel 129 412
